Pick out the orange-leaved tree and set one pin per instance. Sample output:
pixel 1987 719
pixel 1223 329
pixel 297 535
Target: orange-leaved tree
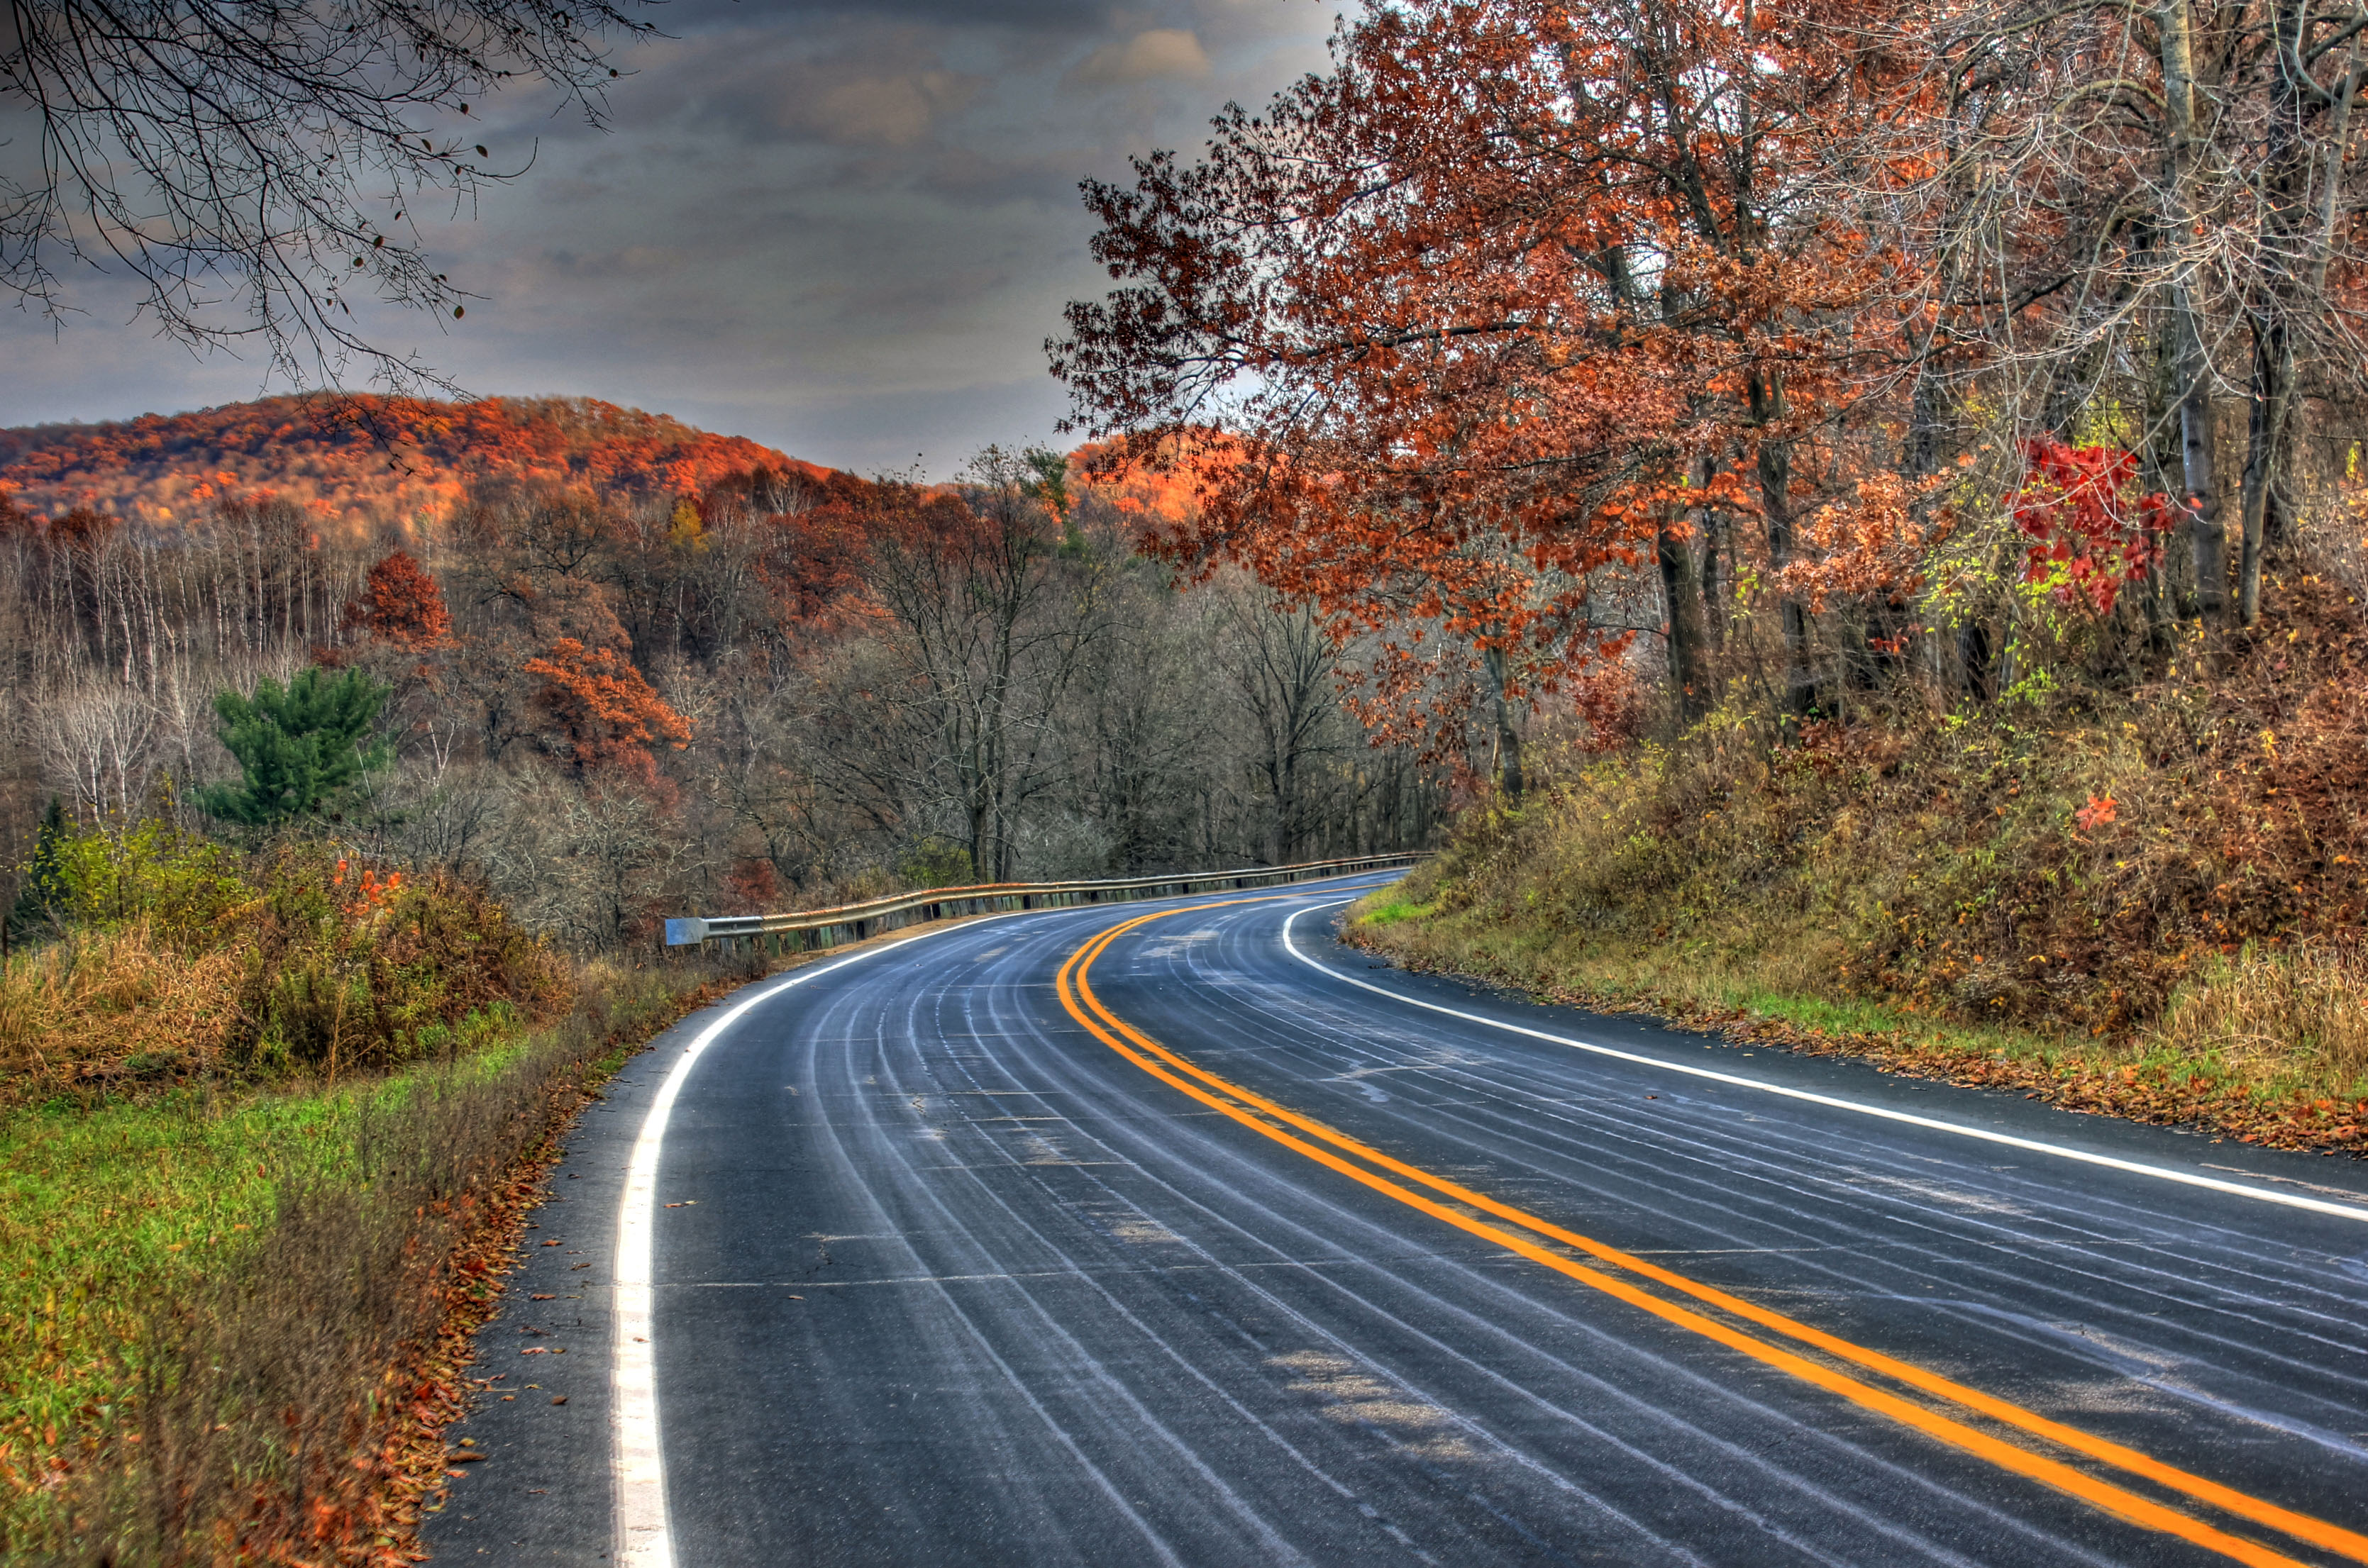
pixel 400 603
pixel 1513 312
pixel 604 710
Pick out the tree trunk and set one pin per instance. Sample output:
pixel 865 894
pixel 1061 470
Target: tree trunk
pixel 1509 735
pixel 2292 285
pixel 1765 394
pixel 1688 670
pixel 2268 422
pixel 2208 535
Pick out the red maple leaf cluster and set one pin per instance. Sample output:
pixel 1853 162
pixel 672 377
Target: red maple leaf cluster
pixel 2087 530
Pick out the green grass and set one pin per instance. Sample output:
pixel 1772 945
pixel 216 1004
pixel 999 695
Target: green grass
pixel 106 1212
pixel 1391 913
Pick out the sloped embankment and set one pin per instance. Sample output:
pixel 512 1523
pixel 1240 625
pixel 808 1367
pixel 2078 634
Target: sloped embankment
pixel 2146 906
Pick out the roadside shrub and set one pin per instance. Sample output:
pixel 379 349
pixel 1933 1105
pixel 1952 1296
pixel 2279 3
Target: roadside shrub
pixel 346 971
pixel 185 890
pixel 182 959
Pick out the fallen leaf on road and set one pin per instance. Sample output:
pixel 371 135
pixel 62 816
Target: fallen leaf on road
pixel 559 1399
pixel 534 1350
pixel 463 1456
pixel 541 1297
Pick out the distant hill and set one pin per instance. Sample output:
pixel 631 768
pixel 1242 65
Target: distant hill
pixel 364 461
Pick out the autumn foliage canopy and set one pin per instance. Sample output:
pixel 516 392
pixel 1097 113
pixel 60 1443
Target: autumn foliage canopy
pixel 604 710
pixel 1514 294
pixel 1533 335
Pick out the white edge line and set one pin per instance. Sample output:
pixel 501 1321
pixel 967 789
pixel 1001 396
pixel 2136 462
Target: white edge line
pixel 2135 1167
pixel 644 1531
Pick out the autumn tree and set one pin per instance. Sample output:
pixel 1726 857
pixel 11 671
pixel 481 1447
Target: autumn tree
pixel 401 603
pixel 2125 219
pixel 1468 308
pixel 604 710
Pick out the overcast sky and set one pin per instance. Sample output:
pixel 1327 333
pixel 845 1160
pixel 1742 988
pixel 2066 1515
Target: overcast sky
pixel 843 230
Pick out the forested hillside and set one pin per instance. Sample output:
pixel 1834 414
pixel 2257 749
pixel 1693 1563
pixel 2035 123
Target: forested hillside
pixel 1884 480
pixel 354 465
pixel 623 670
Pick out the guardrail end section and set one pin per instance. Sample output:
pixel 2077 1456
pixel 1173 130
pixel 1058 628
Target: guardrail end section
pixel 684 932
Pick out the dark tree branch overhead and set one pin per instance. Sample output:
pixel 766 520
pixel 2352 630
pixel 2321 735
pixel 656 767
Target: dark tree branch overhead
pixel 254 165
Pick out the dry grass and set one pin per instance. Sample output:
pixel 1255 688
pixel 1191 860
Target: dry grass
pixel 2302 1013
pixel 114 1007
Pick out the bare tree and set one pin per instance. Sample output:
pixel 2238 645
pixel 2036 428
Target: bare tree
pixel 254 165
pixel 99 736
pixel 1283 674
pixel 990 617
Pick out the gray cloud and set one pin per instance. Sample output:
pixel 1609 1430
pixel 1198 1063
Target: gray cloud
pixel 1154 54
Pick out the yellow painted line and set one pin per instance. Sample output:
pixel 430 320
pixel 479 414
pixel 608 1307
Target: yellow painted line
pixel 1261 1114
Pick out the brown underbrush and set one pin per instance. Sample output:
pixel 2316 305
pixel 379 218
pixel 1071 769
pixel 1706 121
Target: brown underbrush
pixel 177 962
pixel 2158 886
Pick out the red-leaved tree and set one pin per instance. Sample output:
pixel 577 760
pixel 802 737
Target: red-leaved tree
pixel 401 603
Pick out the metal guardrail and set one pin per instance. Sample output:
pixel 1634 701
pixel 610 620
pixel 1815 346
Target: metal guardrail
pixel 806 930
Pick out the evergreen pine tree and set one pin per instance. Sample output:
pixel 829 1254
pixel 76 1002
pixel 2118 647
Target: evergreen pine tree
pixel 298 747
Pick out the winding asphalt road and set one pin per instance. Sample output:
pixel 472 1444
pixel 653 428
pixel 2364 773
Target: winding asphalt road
pixel 1177 1233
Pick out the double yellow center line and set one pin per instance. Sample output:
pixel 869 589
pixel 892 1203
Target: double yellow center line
pixel 1525 1233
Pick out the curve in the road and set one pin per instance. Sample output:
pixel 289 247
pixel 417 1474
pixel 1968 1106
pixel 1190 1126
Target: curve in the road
pixel 991 1267
pixel 1260 1114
